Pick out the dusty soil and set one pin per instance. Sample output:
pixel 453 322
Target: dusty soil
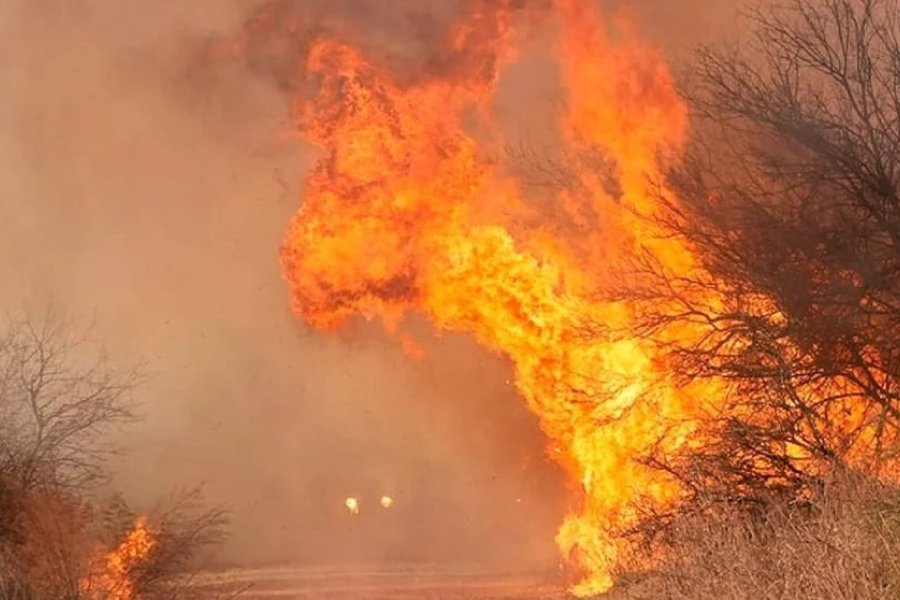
pixel 395 583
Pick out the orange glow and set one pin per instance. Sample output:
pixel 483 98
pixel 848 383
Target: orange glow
pixel 407 212
pixel 113 577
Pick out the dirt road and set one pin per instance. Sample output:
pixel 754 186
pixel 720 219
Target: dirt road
pixel 395 583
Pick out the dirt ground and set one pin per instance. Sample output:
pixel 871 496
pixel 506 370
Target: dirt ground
pixel 394 583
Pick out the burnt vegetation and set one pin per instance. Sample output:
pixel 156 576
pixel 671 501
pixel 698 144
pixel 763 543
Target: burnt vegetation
pixel 789 197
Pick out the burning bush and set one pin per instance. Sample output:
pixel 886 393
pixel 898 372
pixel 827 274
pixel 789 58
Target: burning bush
pixel 57 540
pixel 789 197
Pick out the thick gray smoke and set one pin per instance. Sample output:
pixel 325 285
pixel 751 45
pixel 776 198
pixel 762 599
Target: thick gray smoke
pixel 144 189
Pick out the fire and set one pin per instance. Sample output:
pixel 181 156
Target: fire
pixel 113 580
pixel 407 212
pixel 387 501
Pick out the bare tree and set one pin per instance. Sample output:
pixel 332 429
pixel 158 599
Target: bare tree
pixel 56 406
pixel 790 198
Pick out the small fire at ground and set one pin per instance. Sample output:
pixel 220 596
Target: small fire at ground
pixel 111 577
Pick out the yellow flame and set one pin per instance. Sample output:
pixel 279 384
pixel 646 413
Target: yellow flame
pixel 406 213
pixel 113 581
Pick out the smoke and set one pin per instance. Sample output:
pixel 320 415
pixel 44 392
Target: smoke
pixel 145 190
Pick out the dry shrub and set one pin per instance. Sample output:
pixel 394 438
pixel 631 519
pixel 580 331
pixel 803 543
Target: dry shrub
pixel 186 530
pixel 42 555
pixel 843 543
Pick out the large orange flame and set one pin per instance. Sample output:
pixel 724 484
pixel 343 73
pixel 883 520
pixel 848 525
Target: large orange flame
pixel 406 212
pixel 113 577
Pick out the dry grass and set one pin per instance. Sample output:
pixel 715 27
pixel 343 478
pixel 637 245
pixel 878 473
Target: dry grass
pixel 844 544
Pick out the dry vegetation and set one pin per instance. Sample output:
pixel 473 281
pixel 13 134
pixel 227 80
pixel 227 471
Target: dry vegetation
pixel 844 544
pixel 56 527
